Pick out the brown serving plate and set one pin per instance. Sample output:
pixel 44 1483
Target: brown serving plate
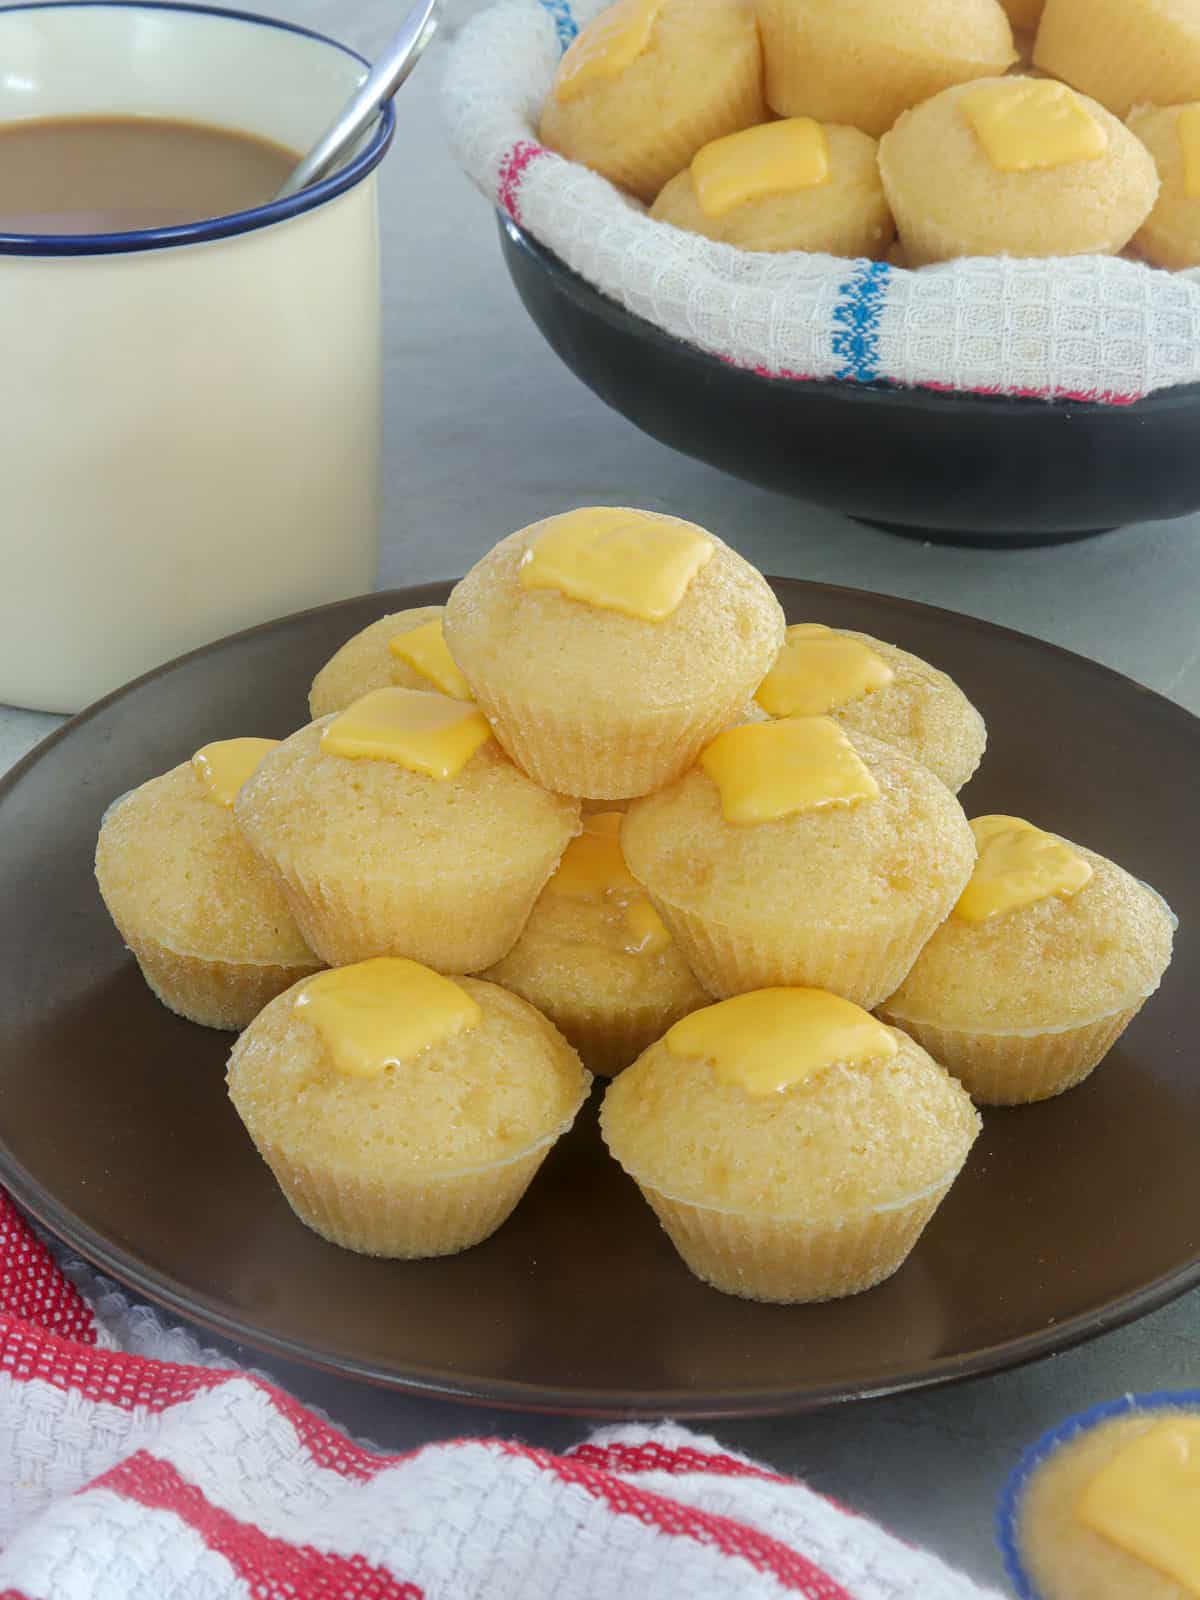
pixel 1071 1217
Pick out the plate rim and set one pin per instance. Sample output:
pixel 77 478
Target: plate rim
pixel 165 1291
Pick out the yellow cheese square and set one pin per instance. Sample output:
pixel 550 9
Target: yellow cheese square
pixel 768 770
pixel 776 158
pixel 224 766
pixel 617 559
pixel 425 650
pixel 383 1013
pixel 818 670
pixel 609 44
pixel 1018 865
pixel 1187 131
pixel 770 1039
pixel 1146 1500
pixel 422 731
pixel 1027 123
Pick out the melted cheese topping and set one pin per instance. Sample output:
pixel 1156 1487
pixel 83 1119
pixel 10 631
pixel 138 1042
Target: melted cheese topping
pixel 646 932
pixel 223 767
pixel 776 158
pixel 819 670
pixel 383 1013
pixel 768 770
pixel 773 1038
pixel 1018 865
pixel 619 560
pixel 1025 124
pixel 593 868
pixel 424 732
pixel 1146 1500
pixel 609 44
pixel 426 651
pixel 592 865
pixel 1187 131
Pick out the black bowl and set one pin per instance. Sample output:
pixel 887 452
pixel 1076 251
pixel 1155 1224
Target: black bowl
pixel 965 468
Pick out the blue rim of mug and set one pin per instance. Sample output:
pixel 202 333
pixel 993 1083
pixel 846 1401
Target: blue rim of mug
pixel 103 244
pixel 1043 1448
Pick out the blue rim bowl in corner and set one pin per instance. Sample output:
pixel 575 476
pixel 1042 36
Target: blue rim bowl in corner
pixel 963 468
pixel 1008 1510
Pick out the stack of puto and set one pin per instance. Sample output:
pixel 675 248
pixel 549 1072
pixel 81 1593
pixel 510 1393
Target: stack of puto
pixel 605 813
pixel 834 125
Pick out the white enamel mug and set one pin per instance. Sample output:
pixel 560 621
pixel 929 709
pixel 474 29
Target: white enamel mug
pixel 189 416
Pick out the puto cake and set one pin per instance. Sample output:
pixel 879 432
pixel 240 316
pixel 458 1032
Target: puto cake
pixel 1105 1506
pixel 596 958
pixel 400 828
pixel 879 689
pixel 404 650
pixel 648 82
pixel 207 923
pixel 787 185
pixel 1050 953
pixel 797 851
pixel 1123 52
pixel 403 1113
pixel 1170 235
pixel 1014 166
pixel 607 645
pixel 791 1145
pixel 863 62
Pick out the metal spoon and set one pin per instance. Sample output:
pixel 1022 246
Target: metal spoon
pixel 376 89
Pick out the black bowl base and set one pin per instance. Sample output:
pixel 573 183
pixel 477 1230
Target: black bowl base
pixel 981 541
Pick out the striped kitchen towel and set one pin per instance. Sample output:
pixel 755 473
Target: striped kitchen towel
pixel 1084 328
pixel 127 1476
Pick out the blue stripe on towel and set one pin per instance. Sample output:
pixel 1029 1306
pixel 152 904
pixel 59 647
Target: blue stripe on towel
pixel 564 23
pixel 856 321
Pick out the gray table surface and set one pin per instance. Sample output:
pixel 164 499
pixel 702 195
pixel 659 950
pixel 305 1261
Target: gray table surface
pixel 486 432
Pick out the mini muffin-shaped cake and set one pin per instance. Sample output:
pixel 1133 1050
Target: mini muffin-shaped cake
pixel 1049 955
pixel 401 828
pixel 875 688
pixel 1107 1505
pixel 1123 52
pixel 792 1146
pixel 790 185
pixel 607 646
pixel 863 62
pixel 799 853
pixel 207 923
pixel 595 957
pixel 403 1113
pixel 1014 167
pixel 404 650
pixel 648 82
pixel 1170 235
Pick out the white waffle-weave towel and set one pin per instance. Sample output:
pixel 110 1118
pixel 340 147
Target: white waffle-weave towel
pixel 1084 328
pixel 125 1476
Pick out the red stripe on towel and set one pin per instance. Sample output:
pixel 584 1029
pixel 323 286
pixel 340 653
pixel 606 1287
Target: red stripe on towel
pixel 724 1534
pixel 274 1569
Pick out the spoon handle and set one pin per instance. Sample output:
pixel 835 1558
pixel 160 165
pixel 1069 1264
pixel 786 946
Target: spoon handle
pixel 378 87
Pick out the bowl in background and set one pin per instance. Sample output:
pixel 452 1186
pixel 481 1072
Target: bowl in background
pixel 962 468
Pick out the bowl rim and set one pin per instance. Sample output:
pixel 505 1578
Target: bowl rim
pixel 935 402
